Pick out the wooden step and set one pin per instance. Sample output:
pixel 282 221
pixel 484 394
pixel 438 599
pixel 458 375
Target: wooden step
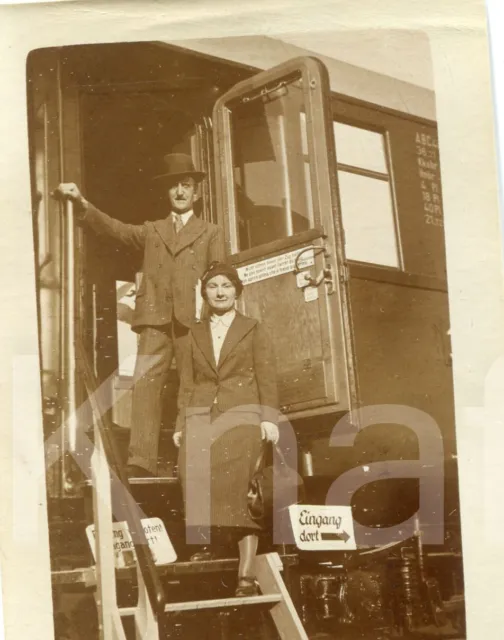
pixel 86 576
pixel 155 481
pixel 163 480
pixel 223 603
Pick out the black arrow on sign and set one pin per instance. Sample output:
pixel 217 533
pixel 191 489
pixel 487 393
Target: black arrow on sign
pixel 335 536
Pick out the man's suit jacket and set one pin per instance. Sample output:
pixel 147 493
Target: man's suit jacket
pixel 244 376
pixel 172 263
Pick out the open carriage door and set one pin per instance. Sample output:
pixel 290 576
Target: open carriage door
pixel 55 157
pixel 277 199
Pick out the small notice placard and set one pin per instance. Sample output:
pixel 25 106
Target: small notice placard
pixel 157 538
pixel 276 266
pixel 322 527
pixel 310 294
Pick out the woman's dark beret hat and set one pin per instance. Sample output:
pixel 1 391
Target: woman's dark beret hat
pixel 222 269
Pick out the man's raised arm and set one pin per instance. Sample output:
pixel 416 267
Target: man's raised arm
pixel 130 235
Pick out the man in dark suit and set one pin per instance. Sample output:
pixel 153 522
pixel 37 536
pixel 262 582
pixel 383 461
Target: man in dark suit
pixel 176 253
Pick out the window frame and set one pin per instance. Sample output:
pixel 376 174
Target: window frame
pixel 375 175
pixel 317 100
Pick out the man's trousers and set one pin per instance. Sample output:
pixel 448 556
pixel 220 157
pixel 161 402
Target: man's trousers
pixel 160 345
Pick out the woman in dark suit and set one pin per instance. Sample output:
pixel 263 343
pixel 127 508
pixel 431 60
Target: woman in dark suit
pixel 228 375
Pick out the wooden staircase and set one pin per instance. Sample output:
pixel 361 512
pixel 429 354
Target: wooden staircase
pixel 274 600
pixel 160 497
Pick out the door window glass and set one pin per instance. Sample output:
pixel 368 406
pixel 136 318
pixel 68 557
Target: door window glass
pixel 273 196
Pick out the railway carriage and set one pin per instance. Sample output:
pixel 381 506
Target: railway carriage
pixel 326 180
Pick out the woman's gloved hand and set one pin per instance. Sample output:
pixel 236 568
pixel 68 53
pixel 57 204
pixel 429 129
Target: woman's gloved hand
pixel 269 432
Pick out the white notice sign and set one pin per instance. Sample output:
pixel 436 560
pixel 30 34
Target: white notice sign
pixel 157 538
pixel 322 527
pixel 275 266
pixel 310 294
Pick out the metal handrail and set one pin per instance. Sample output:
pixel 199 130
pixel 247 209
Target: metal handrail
pixel 68 328
pixel 76 359
pixel 144 557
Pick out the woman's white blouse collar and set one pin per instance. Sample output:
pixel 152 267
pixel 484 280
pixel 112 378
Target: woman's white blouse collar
pixel 226 319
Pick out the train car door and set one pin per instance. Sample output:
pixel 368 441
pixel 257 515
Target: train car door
pixel 54 132
pixel 277 199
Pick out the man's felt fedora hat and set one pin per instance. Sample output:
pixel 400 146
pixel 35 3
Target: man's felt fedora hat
pixel 176 165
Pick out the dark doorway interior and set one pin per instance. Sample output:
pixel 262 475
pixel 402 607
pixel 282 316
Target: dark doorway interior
pixel 125 135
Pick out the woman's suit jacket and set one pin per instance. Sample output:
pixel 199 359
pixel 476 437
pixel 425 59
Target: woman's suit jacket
pixel 244 376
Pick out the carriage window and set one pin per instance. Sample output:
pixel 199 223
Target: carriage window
pixel 270 162
pixel 366 196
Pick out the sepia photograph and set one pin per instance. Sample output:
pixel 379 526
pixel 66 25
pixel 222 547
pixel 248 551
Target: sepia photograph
pixel 314 185
pixel 244 302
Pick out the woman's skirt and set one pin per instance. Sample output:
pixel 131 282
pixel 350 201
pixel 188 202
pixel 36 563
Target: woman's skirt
pixel 215 466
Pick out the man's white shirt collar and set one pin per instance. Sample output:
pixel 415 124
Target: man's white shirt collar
pixel 183 216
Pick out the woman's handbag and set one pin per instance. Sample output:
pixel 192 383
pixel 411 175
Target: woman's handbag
pixel 289 487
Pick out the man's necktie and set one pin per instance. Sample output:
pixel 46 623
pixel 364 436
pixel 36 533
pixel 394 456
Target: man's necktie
pixel 177 223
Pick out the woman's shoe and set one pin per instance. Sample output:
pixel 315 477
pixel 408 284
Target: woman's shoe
pixel 246 587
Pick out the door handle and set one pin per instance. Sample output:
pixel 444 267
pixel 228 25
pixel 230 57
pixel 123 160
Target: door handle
pixel 325 274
